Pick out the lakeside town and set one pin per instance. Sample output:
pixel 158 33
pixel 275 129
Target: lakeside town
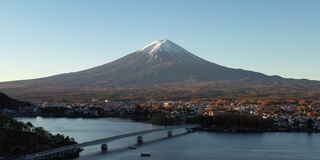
pixel 213 115
pixel 285 115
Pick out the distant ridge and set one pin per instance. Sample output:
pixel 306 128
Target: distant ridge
pixel 160 64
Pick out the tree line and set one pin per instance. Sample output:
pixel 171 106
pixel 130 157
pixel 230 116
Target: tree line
pixel 232 121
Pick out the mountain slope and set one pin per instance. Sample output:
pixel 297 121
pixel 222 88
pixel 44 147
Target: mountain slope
pixel 161 63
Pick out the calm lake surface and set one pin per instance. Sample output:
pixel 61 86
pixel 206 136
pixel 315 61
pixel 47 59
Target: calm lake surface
pixel 186 146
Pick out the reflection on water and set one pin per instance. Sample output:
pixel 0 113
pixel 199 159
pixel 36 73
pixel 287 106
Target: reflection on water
pixel 197 145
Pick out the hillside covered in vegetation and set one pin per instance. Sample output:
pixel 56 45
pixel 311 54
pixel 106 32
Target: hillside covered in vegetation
pixel 10 103
pixel 18 138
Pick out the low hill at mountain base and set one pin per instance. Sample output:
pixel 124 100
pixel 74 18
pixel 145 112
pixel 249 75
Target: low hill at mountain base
pixel 9 103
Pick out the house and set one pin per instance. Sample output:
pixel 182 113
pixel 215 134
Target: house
pixel 51 104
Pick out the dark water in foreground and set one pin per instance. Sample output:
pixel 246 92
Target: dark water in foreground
pixel 186 146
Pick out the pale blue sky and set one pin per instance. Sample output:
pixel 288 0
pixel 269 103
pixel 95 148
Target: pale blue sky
pixel 40 38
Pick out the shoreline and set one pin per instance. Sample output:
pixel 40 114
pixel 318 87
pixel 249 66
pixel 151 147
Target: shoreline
pixel 220 129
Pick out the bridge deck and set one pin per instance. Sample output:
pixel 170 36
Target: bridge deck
pixel 104 140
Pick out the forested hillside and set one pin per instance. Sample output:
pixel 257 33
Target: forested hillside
pixel 7 102
pixel 18 138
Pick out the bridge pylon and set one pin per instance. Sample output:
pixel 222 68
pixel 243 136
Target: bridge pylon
pixel 104 147
pixel 140 139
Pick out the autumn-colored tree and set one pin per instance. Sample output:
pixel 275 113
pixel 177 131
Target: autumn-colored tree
pixel 302 102
pixel 302 109
pixel 169 108
pixel 229 108
pixel 243 101
pixel 222 102
pixel 216 108
pixel 290 101
pixel 261 109
pixel 157 108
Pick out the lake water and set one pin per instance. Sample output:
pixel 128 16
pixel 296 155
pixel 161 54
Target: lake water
pixel 187 146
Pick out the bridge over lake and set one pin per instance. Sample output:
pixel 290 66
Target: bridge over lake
pixel 73 150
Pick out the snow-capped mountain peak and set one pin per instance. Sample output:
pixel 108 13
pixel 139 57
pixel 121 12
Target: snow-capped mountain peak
pixel 155 46
pixel 161 50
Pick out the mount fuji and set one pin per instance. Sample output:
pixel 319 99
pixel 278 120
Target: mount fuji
pixel 159 65
pixel 161 61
